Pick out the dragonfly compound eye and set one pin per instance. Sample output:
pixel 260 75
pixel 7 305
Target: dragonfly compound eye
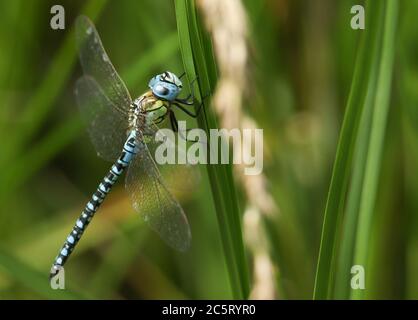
pixel 161 91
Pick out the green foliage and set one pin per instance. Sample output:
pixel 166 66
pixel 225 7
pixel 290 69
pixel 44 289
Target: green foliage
pixel 199 63
pixel 340 136
pixel 363 130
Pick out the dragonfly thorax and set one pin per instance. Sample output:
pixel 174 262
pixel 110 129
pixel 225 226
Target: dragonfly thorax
pixel 147 109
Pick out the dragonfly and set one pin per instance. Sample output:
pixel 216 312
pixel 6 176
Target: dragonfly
pixel 123 131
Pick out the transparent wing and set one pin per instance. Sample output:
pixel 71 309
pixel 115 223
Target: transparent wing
pixel 106 126
pixel 155 203
pixel 96 63
pixel 169 153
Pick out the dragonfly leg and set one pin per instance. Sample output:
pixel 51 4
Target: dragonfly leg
pixel 160 119
pixel 188 112
pixel 190 99
pixel 174 126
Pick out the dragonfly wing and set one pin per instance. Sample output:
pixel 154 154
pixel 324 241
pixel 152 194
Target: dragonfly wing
pixel 181 177
pixel 155 203
pixel 106 126
pixel 96 63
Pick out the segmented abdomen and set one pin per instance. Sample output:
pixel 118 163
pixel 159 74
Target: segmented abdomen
pixel 129 151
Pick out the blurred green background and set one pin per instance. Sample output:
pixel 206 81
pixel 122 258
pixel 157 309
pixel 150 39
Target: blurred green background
pixel 302 55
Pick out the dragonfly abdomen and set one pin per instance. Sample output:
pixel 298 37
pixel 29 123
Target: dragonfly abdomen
pixel 129 151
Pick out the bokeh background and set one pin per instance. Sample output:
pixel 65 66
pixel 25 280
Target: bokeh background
pixel 302 55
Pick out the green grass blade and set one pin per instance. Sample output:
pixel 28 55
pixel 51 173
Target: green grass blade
pixel 343 162
pixel 377 136
pixel 198 61
pixel 350 219
pixel 346 249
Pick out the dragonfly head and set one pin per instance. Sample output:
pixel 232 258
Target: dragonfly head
pixel 166 86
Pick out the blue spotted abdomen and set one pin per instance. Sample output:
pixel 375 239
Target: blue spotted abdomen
pixel 129 151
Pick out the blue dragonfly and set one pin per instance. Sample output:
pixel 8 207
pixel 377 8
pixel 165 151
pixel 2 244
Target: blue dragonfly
pixel 123 131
